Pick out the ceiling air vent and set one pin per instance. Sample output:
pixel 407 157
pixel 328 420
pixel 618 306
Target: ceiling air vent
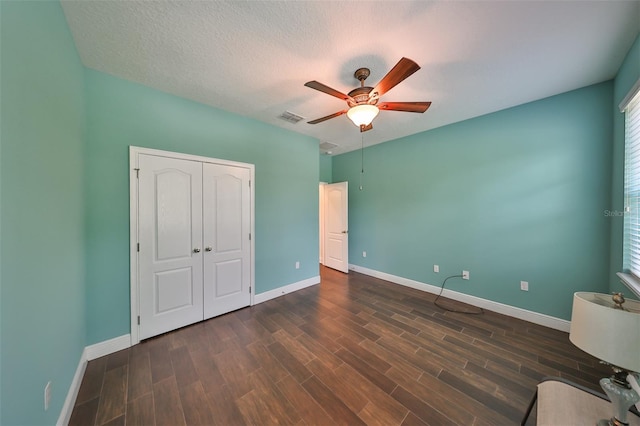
pixel 290 117
pixel 327 147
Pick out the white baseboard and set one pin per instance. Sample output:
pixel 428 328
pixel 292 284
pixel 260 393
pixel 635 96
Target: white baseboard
pixel 108 347
pixel 512 311
pixel 281 291
pixel 70 401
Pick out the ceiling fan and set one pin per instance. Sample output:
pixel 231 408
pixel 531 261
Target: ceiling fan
pixel 363 101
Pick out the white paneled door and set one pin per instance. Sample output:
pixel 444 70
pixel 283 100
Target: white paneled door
pixel 194 256
pixel 170 228
pixel 336 229
pixel 226 199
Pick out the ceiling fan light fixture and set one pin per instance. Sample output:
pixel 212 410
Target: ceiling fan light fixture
pixel 362 115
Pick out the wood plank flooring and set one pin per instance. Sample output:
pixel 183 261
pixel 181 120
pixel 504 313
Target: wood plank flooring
pixel 352 350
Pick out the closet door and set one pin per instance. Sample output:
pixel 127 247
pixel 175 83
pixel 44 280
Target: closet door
pixel 170 236
pixel 226 224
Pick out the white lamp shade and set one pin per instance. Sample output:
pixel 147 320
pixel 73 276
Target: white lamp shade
pixel 362 115
pixel 611 335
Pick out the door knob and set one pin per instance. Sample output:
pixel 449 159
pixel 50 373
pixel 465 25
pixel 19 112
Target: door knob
pixel 196 250
pixel 208 249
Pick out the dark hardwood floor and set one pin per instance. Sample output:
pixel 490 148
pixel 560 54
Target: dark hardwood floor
pixel 352 350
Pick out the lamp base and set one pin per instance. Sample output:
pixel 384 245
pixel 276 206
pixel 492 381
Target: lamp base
pixel 611 422
pixel 622 397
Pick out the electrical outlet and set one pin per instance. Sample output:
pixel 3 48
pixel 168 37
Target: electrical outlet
pixel 465 275
pixel 297 265
pixel 364 254
pixel 47 396
pixel 436 268
pixel 524 285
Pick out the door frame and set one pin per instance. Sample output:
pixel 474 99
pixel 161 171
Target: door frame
pixel 321 224
pixel 134 277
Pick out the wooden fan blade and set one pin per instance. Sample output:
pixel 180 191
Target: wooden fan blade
pixel 328 90
pixel 364 128
pixel 403 69
pixel 320 120
pixel 405 106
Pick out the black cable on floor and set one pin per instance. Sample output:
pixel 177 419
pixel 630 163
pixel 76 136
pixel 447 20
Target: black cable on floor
pixel 435 302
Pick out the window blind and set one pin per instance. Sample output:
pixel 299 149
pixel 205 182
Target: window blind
pixel 631 247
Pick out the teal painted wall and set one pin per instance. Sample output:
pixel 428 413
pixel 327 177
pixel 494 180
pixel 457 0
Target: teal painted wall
pixel 325 168
pixel 627 76
pixel 515 195
pixel 42 313
pixel 121 114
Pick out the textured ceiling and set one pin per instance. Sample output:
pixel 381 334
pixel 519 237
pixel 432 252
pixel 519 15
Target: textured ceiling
pixel 253 57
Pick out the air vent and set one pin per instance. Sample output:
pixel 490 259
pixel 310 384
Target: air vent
pixel 327 146
pixel 290 117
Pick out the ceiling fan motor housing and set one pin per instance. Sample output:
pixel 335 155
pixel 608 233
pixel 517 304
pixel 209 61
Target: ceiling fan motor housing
pixel 361 94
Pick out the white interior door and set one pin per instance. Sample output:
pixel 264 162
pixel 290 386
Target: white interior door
pixel 170 238
pixel 226 224
pixel 336 238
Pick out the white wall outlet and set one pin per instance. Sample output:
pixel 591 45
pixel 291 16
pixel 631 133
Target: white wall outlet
pixel 524 285
pixel 297 265
pixel 465 275
pixel 436 268
pixel 364 254
pixel 47 396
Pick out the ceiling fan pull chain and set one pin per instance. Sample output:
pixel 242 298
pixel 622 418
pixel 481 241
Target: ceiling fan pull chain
pixel 361 159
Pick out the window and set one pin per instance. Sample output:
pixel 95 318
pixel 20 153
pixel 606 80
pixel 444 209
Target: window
pixel 631 257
